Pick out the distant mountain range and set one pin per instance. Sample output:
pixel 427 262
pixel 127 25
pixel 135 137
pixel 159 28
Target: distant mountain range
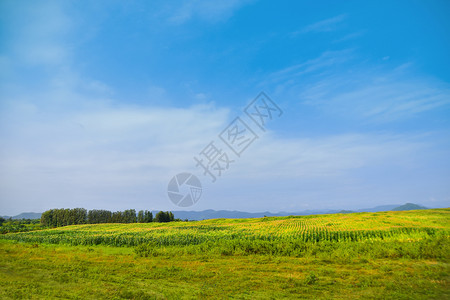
pixel 234 214
pixel 217 214
pixel 26 215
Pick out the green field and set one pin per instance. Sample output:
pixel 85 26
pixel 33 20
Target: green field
pixel 399 255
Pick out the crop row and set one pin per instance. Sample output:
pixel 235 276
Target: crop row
pixel 195 236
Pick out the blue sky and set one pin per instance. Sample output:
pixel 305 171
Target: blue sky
pixel 103 102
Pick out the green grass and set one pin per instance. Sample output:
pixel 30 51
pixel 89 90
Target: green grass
pixel 394 255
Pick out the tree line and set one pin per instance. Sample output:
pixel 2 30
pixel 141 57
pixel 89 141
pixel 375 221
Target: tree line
pixel 75 216
pixel 18 225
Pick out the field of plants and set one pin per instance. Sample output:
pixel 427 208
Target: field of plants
pixel 403 254
pixel 398 226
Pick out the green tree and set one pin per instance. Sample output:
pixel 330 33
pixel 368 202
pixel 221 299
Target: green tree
pixel 129 216
pixel 48 218
pixel 148 216
pixel 141 217
pixel 164 217
pixel 97 216
pixel 117 217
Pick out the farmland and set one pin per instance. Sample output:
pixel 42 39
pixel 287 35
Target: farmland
pixel 360 255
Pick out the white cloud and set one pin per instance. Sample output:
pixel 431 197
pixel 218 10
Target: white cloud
pixel 118 156
pixel 377 96
pixel 101 153
pixel 370 93
pixel 93 153
pixel 325 61
pixel 326 157
pixel 40 30
pixel 335 171
pixel 326 25
pixel 211 11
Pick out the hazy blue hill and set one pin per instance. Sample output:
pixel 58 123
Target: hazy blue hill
pixel 409 206
pixel 26 215
pixel 379 208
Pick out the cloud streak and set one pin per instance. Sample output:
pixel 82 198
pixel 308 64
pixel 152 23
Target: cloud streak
pixel 371 93
pixel 204 10
pixel 378 96
pixel 327 25
pixel 43 43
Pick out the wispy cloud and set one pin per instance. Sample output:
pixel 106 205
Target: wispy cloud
pixel 377 95
pixel 361 91
pixel 45 41
pixel 329 156
pixel 326 25
pixel 350 36
pixel 206 10
pixel 334 170
pixel 293 75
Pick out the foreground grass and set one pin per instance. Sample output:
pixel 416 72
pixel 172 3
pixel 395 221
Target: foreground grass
pixel 31 271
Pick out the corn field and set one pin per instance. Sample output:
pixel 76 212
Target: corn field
pixel 385 226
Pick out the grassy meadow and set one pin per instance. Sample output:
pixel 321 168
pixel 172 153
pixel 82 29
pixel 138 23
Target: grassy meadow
pixel 398 255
